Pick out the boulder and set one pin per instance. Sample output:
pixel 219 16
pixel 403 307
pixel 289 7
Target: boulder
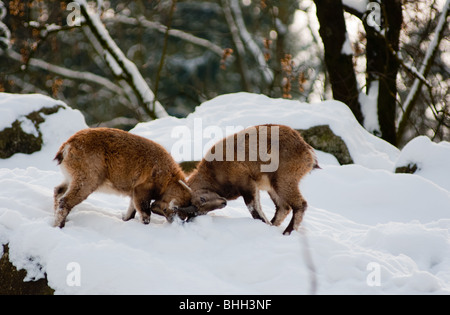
pixel 322 138
pixel 12 280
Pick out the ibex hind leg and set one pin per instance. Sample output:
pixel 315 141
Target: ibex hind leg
pixel 58 193
pixel 298 210
pixel 290 195
pixel 76 193
pixel 282 209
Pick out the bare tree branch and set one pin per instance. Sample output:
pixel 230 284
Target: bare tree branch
pixel 131 100
pixel 67 73
pixel 411 69
pixel 251 44
pixel 5 33
pixel 128 69
pixel 172 32
pixel 164 50
pixel 238 44
pixel 412 97
pixel 26 87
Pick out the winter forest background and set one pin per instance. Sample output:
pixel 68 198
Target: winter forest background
pixel 122 62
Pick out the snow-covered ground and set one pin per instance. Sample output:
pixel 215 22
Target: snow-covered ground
pixel 367 230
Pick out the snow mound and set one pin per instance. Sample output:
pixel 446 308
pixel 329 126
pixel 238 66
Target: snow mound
pixel 367 230
pixel 228 112
pixel 431 159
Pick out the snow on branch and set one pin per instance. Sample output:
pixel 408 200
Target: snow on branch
pixel 411 68
pixel 5 33
pixel 356 7
pixel 132 101
pixel 129 70
pixel 425 67
pixel 234 30
pixel 251 44
pixel 67 73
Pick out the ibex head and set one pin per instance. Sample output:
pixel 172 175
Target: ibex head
pixel 203 201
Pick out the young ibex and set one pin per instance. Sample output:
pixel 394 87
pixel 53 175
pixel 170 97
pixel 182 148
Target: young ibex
pixel 266 157
pixel 115 161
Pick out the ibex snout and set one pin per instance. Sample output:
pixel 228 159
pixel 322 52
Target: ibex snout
pixel 206 200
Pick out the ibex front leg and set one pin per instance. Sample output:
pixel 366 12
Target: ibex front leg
pixel 131 212
pixel 252 201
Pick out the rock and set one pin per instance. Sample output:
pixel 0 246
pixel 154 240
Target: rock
pixel 24 135
pixel 11 280
pixel 188 166
pixel 408 169
pixel 322 138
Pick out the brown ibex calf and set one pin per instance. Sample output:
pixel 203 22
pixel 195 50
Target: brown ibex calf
pixel 115 161
pixel 266 157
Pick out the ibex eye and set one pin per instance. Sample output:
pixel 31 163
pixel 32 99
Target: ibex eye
pixel 202 200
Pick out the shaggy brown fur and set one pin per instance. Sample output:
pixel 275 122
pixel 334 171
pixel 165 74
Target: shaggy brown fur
pixel 218 180
pixel 115 161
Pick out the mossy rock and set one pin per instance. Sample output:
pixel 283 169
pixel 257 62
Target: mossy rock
pixel 11 280
pixel 322 138
pixel 15 140
pixel 188 166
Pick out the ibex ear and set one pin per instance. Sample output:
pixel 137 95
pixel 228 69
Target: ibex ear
pixel 185 185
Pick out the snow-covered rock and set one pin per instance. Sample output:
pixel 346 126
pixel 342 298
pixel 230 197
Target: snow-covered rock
pixel 33 125
pixel 428 159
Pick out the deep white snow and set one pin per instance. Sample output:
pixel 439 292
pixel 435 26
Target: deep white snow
pixel 367 230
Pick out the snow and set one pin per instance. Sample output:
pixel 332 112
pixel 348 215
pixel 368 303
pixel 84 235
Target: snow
pixel 431 159
pixel 358 5
pixel 13 106
pixel 369 108
pixel 367 230
pixel 347 47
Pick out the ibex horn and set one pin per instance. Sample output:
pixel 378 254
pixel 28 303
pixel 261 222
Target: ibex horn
pixel 185 185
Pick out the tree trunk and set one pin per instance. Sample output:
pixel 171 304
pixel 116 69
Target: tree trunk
pixel 330 14
pixel 383 66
